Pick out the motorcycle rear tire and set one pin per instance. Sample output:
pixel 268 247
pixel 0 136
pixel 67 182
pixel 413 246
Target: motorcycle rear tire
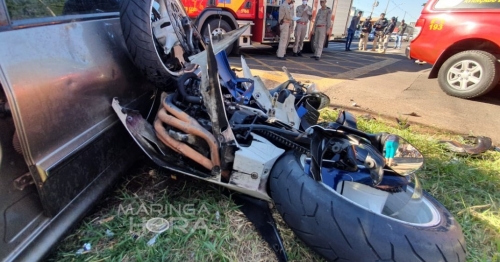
pixel 135 20
pixel 340 230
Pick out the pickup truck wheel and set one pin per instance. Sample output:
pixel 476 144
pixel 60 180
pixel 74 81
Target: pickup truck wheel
pixel 469 74
pixel 217 29
pixel 309 46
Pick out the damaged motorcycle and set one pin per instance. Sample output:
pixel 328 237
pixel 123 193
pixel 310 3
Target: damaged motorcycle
pixel 330 182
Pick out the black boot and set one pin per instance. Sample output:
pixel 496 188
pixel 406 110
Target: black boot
pixel 299 53
pixel 295 54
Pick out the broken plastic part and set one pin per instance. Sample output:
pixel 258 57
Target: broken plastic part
pixel 481 145
pixel 109 233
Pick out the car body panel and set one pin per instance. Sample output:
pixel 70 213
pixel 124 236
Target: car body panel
pixel 445 27
pixel 69 81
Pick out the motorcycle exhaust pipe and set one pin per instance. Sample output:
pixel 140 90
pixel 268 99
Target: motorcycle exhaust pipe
pixel 177 146
pixel 189 125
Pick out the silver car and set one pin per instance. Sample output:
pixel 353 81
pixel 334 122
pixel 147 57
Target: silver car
pixel 61 144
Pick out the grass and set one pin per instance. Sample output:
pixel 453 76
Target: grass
pixel 468 186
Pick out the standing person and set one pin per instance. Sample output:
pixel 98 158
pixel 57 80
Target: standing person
pixel 351 30
pixel 391 147
pixel 322 24
pixel 292 24
pixel 304 12
pixel 379 30
pixel 366 29
pixel 387 34
pixel 285 18
pixel 401 30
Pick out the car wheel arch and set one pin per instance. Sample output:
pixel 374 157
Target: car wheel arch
pixel 463 45
pixel 216 13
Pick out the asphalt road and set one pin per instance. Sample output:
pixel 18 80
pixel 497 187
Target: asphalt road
pixel 383 84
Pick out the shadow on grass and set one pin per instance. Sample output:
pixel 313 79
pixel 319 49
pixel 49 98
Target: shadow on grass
pixel 205 225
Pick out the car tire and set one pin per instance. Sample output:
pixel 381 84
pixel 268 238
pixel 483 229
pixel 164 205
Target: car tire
pixel 455 80
pixel 224 27
pixel 308 47
pixel 137 30
pixel 340 230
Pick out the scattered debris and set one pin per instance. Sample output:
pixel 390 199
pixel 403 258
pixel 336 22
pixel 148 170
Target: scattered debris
pixel 480 145
pixel 105 220
pixel 355 105
pixel 413 114
pixel 367 117
pixel 152 241
pixel 109 233
pixel 403 123
pixel 217 216
pixel 86 248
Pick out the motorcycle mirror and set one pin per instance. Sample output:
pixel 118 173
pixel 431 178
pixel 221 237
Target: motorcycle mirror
pixel 401 156
pixel 324 100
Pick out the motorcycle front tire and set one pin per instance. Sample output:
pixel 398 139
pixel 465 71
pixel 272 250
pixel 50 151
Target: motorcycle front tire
pixel 340 230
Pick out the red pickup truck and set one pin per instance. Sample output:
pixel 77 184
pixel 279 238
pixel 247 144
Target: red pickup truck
pixel 461 39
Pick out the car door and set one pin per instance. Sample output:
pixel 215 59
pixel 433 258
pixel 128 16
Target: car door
pixel 61 63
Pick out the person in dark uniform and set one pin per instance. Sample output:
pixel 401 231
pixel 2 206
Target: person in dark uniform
pixel 387 34
pixel 366 29
pixel 379 27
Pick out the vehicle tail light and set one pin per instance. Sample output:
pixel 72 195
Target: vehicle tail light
pixel 418 28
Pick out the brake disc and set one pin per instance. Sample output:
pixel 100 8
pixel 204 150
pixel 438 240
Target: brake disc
pixel 187 34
